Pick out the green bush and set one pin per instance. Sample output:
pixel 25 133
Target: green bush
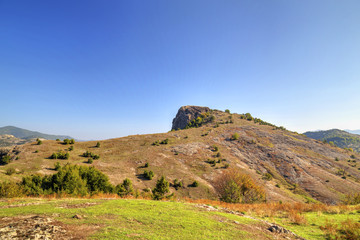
pixel 68 141
pixel 97 144
pixel 90 161
pixel 146 165
pixel 10 190
pixel 195 184
pixel 60 155
pixel 58 140
pixel 227 110
pixel 90 154
pixel 125 188
pixel 71 148
pixel 70 179
pixel 165 141
pixel 5 158
pixel 10 171
pixel 57 166
pixel 156 143
pixel 38 142
pixel 161 188
pixel 148 175
pixel 235 136
pixel 177 184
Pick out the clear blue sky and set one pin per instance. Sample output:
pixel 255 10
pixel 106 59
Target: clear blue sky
pixel 104 69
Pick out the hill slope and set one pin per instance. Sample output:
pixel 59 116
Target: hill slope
pixel 340 138
pixel 300 168
pixel 26 134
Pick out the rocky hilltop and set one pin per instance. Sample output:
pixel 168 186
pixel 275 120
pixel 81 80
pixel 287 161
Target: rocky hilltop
pixel 290 166
pixel 186 114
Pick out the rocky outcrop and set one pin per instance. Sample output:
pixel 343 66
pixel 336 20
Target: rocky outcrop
pixel 186 114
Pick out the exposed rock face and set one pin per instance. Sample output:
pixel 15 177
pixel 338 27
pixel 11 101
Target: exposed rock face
pixel 186 114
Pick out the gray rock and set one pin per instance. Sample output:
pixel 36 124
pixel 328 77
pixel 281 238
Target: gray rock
pixel 186 114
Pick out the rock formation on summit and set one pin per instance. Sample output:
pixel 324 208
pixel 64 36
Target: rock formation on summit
pixel 186 114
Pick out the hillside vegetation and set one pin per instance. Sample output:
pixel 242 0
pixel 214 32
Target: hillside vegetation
pixel 290 167
pixel 337 137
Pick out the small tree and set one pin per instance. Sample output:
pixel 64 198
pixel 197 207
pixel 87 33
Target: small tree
pixel 227 110
pixel 125 188
pixel 161 188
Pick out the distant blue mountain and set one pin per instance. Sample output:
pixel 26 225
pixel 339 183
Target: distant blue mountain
pixel 27 134
pixel 353 131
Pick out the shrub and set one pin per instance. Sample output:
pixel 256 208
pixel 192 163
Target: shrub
pixel 10 171
pixel 70 179
pixel 148 175
pixel 336 159
pixel 296 218
pixel 235 136
pixel 352 199
pixel 352 156
pixel 97 144
pixel 227 110
pixel 161 188
pixel 177 184
pixel 248 117
pixel 125 188
pixel 234 186
pixel 214 148
pixel 10 190
pixel 5 159
pixel 156 143
pixel 68 141
pixel 36 151
pixel 90 161
pixel 71 148
pixel 60 155
pixel 58 140
pixel 38 142
pixel 146 165
pixel 195 184
pixel 165 141
pixel 347 230
pixel 226 165
pixel 218 154
pixel 57 166
pixel 90 154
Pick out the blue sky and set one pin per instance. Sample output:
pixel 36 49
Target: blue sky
pixel 105 69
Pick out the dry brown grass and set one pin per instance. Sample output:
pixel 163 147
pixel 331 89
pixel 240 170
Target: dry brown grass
pixel 348 230
pixel 277 209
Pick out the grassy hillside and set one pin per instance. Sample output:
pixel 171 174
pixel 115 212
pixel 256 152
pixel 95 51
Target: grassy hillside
pixel 26 134
pixel 338 137
pixel 291 167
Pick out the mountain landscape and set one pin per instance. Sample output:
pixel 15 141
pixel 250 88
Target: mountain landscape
pixel 11 135
pixel 337 137
pixel 290 166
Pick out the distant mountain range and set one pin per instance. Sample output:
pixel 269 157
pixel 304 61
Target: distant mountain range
pixel 353 131
pixel 340 138
pixel 11 135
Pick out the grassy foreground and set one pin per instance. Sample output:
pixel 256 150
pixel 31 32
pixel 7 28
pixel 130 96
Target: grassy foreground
pixel 136 219
pixel 147 219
